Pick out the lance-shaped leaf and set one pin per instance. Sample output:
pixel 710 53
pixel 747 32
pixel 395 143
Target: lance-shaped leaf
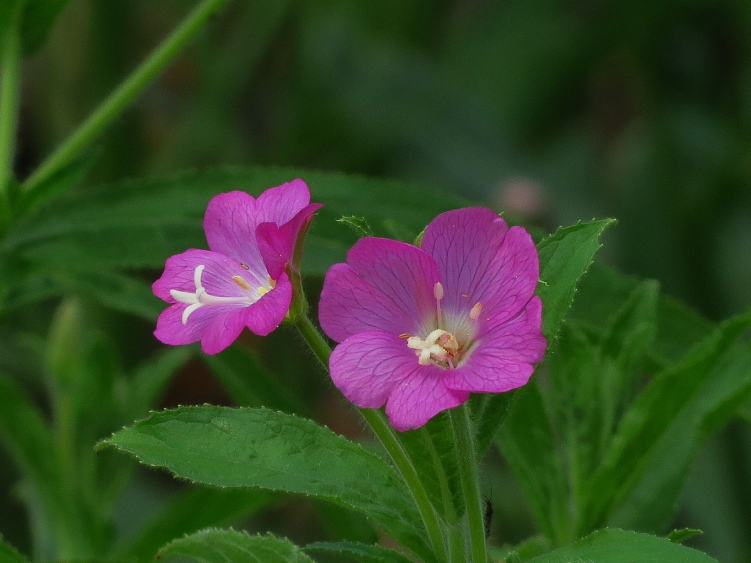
pixel 249 447
pixel 220 546
pixel 687 392
pixel 619 546
pixel 365 553
pixel 8 554
pixel 564 257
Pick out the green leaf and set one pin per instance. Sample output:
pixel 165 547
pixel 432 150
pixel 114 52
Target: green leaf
pixel 564 257
pixel 261 448
pixel 433 454
pixel 38 17
pixel 652 449
pixel 619 546
pixel 221 546
pixel 190 511
pixel 359 552
pixel 680 536
pixel 528 443
pixel 604 290
pixel 250 384
pixel 139 224
pixel 358 224
pixel 489 410
pixel 29 440
pixel 8 553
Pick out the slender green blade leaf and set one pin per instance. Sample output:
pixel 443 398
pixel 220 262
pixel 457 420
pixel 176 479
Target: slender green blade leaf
pixel 138 224
pixel 359 552
pixel 681 391
pixel 188 512
pixel 261 448
pixel 221 546
pixel 38 17
pixel 528 443
pixel 8 553
pixel 564 257
pixel 619 546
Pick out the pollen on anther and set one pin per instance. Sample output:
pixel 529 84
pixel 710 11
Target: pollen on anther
pixel 244 266
pixel 239 280
pixel 474 313
pixel 438 291
pixel 405 335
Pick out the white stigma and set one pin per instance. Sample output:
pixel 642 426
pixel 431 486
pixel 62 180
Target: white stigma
pixel 201 297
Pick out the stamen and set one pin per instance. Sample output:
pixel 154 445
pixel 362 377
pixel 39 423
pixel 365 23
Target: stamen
pixel 244 265
pixel 239 280
pixel 438 291
pixel 405 335
pixel 474 313
pixel 262 291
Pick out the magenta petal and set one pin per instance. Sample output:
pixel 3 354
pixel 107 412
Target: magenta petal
pixel 216 327
pixel 504 356
pixel 420 396
pixel 230 224
pixel 266 314
pixel 277 243
pixel 367 366
pixel 280 204
pixel 403 273
pixel 349 305
pixel 482 260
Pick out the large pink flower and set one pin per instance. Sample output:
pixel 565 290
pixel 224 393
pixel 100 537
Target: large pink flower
pixel 421 328
pixel 241 281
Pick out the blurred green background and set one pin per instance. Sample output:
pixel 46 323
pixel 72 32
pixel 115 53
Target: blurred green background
pixel 549 111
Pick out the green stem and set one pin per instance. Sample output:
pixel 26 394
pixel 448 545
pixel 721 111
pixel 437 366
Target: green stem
pixel 10 61
pixel 114 104
pixel 464 445
pixel 390 440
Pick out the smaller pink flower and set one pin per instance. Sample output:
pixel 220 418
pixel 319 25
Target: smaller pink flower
pixel 421 328
pixel 242 281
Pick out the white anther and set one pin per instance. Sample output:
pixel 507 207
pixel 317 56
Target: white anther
pixel 474 313
pixel 438 291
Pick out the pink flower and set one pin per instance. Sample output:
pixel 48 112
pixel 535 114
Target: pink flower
pixel 421 328
pixel 242 281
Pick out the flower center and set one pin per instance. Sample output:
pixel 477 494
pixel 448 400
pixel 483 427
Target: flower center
pixel 442 347
pixel 439 346
pixel 202 297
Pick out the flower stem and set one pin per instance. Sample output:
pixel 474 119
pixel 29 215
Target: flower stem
pixel 390 440
pixel 464 446
pixel 131 87
pixel 10 63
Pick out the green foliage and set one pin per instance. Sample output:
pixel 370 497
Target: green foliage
pixel 359 552
pixel 188 512
pixel 564 257
pixel 261 448
pixel 619 546
pixel 220 546
pixel 8 554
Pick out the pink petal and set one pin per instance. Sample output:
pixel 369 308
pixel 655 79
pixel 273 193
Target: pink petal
pixel 280 204
pixel 421 396
pixel 403 273
pixel 367 366
pixel 373 368
pixel 230 224
pixel 277 244
pixel 350 305
pixel 482 260
pixel 266 314
pixel 504 356
pixel 387 285
pixel 216 327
